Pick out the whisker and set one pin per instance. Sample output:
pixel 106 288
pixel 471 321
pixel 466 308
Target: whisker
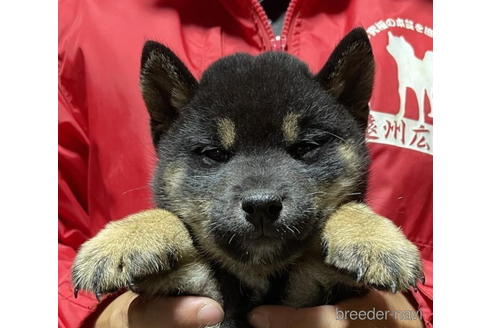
pixel 336 136
pixel 134 189
pixel 353 194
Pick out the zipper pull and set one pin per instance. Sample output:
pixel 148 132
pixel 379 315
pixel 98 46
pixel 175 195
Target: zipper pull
pixel 279 43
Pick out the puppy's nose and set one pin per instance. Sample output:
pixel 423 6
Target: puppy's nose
pixel 262 208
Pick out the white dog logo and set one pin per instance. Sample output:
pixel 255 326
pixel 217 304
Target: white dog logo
pixel 413 73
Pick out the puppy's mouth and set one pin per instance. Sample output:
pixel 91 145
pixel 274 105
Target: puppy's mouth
pixel 262 225
pixel 268 232
pixel 264 230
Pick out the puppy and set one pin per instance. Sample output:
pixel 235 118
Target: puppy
pixel 259 188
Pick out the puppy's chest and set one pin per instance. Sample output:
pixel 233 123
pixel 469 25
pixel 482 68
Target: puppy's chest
pixel 299 284
pixel 242 292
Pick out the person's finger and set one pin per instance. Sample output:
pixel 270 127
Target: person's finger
pixel 174 312
pixel 289 317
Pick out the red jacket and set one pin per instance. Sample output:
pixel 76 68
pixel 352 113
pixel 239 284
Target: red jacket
pixel 106 155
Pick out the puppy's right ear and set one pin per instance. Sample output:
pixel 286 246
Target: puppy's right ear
pixel 167 85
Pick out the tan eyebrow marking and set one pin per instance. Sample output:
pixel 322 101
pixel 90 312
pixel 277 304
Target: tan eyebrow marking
pixel 227 132
pixel 290 127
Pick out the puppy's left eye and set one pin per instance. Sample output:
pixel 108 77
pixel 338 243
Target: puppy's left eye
pixel 215 154
pixel 302 149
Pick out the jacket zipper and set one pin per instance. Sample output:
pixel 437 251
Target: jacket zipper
pixel 277 42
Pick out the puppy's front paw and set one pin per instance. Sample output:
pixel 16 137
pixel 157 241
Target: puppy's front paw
pixel 128 250
pixel 371 248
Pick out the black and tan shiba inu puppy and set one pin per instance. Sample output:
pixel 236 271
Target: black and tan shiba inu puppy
pixel 259 188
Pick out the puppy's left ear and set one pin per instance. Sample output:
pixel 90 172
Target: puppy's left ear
pixel 349 74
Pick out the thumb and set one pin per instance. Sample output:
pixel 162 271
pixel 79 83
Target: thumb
pixel 271 316
pixel 171 312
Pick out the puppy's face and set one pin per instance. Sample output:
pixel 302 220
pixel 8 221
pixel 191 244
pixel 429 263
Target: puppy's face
pixel 256 156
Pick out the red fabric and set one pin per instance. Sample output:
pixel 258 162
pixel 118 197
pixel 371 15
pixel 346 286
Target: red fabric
pixel 105 151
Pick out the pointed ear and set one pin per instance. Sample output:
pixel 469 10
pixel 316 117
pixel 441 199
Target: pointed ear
pixel 166 84
pixel 349 74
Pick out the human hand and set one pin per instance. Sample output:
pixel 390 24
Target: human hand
pixel 131 311
pixel 338 316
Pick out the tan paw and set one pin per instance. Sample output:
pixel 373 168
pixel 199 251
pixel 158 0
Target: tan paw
pixel 126 251
pixel 371 249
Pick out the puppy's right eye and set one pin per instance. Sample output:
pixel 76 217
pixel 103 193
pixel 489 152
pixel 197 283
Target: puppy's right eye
pixel 299 151
pixel 215 154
